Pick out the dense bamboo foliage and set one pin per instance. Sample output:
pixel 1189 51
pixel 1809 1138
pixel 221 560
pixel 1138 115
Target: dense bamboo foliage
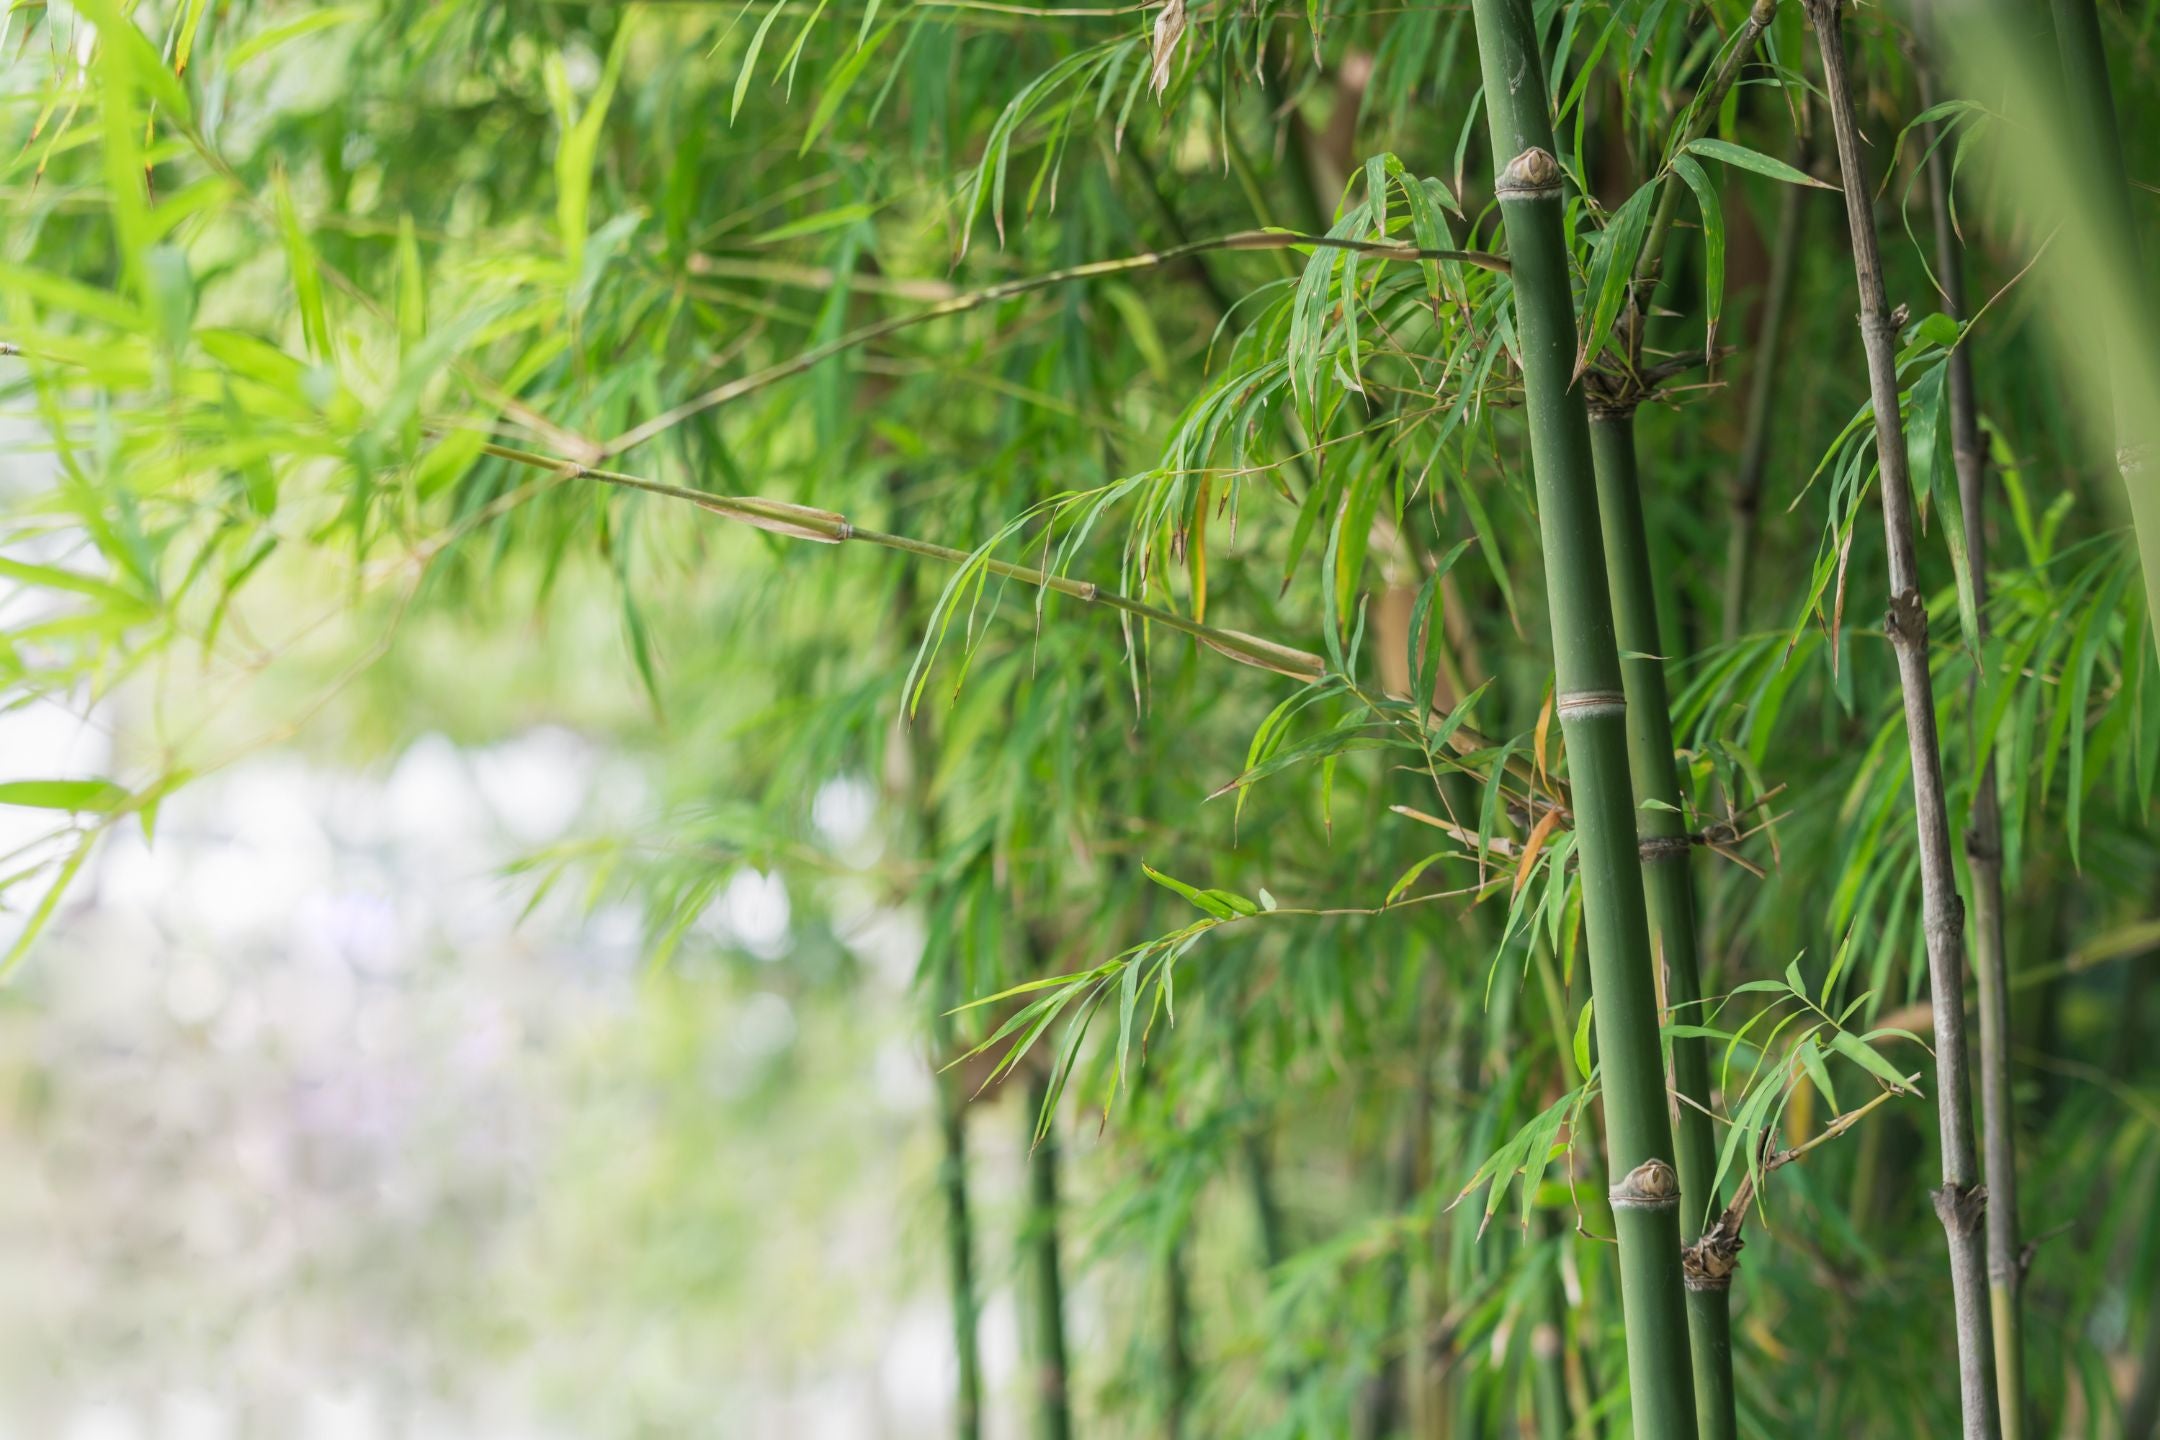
pixel 1330 551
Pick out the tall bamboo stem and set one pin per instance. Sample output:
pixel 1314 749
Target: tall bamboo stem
pixel 1983 838
pixel 960 1243
pixel 1762 391
pixel 1593 717
pixel 1961 1200
pixel 1177 1340
pixel 1661 831
pixel 1053 1405
pixel 2103 185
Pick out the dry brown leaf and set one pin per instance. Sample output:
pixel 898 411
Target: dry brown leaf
pixel 1169 30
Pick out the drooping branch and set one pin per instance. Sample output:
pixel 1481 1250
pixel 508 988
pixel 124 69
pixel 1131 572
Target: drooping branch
pixel 827 527
pixel 1010 289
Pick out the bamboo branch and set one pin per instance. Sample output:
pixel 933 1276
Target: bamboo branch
pixel 1650 264
pixel 1719 1250
pixel 1010 289
pixel 826 527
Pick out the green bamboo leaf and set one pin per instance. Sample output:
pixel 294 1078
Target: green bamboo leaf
pixel 1868 1058
pixel 1207 900
pixel 749 61
pixel 306 277
pixel 1713 221
pixel 1811 1061
pixel 1618 250
pixel 48 902
pixel 1754 160
pixel 184 47
pixel 126 44
pixel 843 79
pixel 88 796
pixel 411 289
pixel 264 41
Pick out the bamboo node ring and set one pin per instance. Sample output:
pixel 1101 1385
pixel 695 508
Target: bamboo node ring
pixel 1960 1208
pixel 1663 847
pixel 1532 175
pixel 1583 703
pixel 1651 1185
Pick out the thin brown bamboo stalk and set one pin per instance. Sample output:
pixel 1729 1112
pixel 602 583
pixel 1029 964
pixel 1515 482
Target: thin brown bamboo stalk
pixel 1961 1201
pixel 1983 835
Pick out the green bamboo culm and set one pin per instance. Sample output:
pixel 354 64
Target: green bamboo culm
pixel 1962 1200
pixel 1593 717
pixel 2102 182
pixel 1669 884
pixel 960 1245
pixel 1053 1403
pixel 1548 1345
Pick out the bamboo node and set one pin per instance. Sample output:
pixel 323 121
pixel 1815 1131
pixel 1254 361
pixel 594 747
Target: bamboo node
pixel 1960 1208
pixel 1664 847
pixel 1907 621
pixel 1652 1185
pixel 1575 704
pixel 1709 1263
pixel 1532 175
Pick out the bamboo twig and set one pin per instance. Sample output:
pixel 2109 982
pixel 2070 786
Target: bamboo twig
pixel 826 527
pixel 1010 289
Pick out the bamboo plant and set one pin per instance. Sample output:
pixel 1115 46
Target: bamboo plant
pixel 817 371
pixel 1593 710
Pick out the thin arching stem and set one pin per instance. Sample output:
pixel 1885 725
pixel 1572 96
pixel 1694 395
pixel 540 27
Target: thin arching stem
pixel 1010 289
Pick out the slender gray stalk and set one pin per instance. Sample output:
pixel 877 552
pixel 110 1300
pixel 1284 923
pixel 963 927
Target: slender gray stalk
pixel 1961 1201
pixel 1983 835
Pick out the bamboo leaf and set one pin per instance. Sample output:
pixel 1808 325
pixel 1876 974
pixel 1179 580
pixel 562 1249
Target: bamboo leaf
pixel 91 796
pixel 1754 160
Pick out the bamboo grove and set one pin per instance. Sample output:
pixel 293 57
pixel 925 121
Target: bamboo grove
pixel 1538 821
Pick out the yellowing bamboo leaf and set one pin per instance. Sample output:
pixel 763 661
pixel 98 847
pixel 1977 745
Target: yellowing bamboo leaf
pixel 1539 833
